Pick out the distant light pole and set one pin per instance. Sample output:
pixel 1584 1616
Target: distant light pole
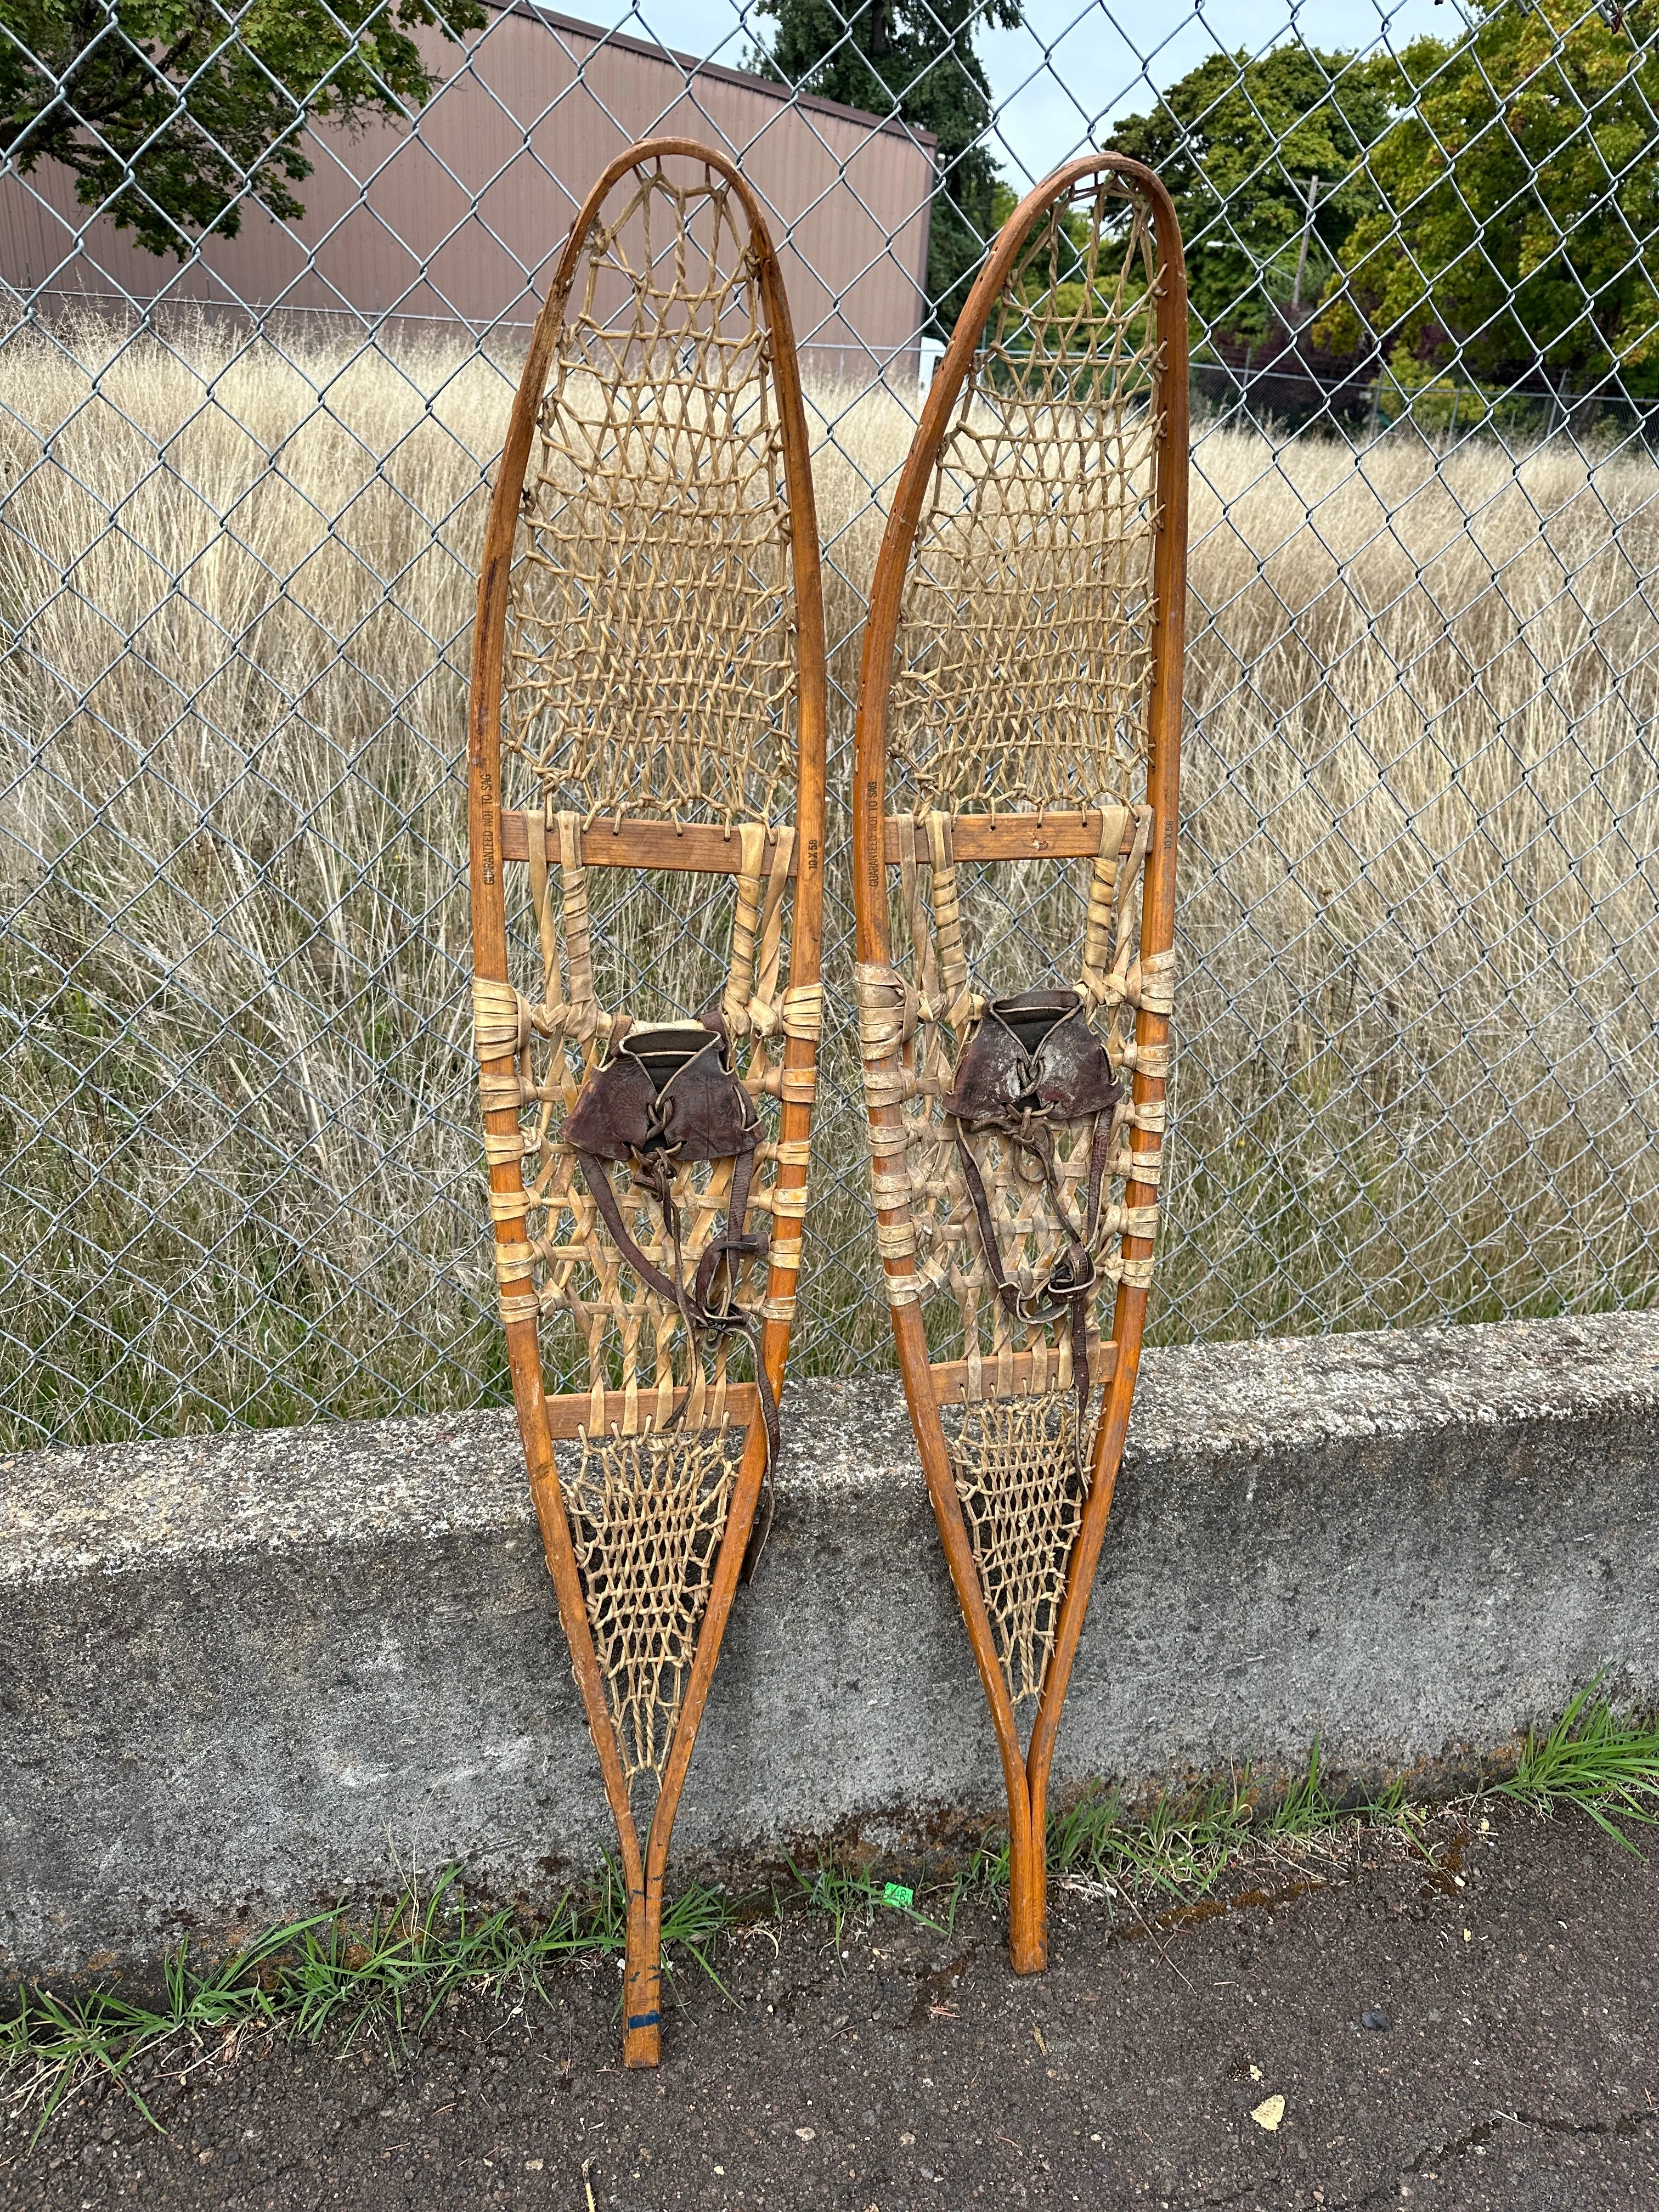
pixel 1302 256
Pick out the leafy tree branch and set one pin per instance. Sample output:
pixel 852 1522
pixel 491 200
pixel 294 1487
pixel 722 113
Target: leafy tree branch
pixel 171 114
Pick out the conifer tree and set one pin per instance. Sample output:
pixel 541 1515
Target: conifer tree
pixel 912 58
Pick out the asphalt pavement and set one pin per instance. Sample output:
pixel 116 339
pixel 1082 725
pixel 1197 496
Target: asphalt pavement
pixel 1476 2036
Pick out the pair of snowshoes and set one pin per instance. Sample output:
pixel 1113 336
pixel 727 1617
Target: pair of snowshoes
pixel 647 785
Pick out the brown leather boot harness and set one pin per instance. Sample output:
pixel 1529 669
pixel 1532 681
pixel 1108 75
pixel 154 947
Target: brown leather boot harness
pixel 1033 1059
pixel 667 1094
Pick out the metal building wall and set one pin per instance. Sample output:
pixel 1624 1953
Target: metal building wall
pixel 457 221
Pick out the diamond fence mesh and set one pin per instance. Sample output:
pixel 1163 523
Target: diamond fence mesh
pixel 243 493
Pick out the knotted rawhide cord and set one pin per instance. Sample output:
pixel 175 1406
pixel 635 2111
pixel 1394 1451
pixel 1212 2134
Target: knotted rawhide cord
pixel 909 1052
pixel 1023 649
pixel 651 646
pixel 646 833
pixel 577 1269
pixel 647 1513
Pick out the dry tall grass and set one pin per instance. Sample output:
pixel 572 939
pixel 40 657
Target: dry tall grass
pixel 1419 1054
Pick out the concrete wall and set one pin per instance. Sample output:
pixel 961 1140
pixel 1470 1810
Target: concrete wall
pixel 244 1675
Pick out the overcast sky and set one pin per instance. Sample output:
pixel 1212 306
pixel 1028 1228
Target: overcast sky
pixel 1074 66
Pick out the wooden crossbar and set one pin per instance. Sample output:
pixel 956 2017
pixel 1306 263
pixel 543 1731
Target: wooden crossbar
pixel 1023 837
pixel 951 1376
pixel 567 1416
pixel 704 848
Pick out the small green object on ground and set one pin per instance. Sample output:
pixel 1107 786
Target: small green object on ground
pixel 897 1893
pixel 1514 2073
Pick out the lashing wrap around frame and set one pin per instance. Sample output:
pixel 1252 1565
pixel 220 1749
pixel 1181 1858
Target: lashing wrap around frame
pixel 647 820
pixel 1020 719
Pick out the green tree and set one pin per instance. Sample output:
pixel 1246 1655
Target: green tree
pixel 914 58
pixel 171 112
pixel 1519 214
pixel 1239 141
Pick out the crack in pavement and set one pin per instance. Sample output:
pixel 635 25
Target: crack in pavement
pixel 1240 2195
pixel 1624 2124
pixel 1126 2081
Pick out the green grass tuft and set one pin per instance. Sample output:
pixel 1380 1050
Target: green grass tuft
pixel 842 1893
pixel 1181 1844
pixel 1604 1763
pixel 330 1975
pixel 1178 1847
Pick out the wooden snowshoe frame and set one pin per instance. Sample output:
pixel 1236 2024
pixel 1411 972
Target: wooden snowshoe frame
pixel 1019 722
pixel 649 677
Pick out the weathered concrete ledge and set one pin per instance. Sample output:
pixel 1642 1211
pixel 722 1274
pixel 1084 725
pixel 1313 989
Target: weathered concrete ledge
pixel 243 1676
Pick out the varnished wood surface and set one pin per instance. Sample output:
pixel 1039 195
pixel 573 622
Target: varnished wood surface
pixel 701 848
pixel 488 828
pixel 567 1416
pixel 705 848
pixel 1158 915
pixel 1025 1776
pixel 1024 836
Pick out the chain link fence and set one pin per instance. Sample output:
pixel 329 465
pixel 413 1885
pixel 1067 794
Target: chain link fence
pixel 242 490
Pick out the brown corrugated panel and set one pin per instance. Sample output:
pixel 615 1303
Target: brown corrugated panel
pixel 461 218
